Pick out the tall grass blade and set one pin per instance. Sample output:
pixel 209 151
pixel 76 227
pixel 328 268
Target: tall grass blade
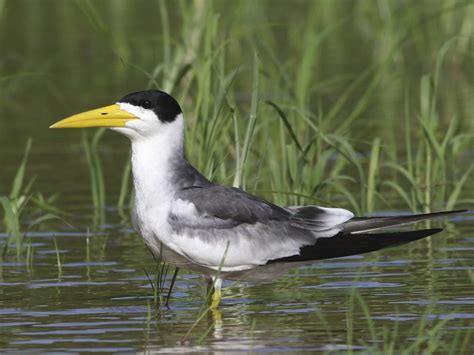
pixel 374 167
pixel 239 173
pixel 285 120
pixel 96 175
pixel 20 174
pixel 125 183
pixel 453 198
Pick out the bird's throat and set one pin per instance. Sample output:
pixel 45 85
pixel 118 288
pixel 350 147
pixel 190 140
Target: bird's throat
pixel 154 161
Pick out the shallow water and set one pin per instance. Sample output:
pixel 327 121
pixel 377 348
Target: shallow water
pixel 100 298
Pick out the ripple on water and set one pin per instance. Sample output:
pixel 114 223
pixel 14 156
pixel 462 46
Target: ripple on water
pixel 104 302
pixel 359 284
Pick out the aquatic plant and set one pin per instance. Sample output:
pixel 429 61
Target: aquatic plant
pixel 157 280
pixel 16 203
pixel 97 181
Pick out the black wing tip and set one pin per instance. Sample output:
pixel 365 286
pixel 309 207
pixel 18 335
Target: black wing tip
pixel 455 211
pixel 403 237
pixel 346 244
pixel 436 213
pixel 423 233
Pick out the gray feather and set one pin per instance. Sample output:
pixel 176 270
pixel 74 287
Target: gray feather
pixel 364 224
pixel 232 205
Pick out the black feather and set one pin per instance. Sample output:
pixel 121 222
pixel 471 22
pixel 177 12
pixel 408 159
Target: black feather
pixel 164 105
pixel 345 244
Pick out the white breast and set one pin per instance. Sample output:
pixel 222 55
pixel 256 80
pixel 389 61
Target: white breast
pixel 152 161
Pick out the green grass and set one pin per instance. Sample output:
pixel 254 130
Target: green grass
pixel 125 189
pixel 157 280
pixel 426 335
pixel 14 205
pixel 97 180
pixel 319 152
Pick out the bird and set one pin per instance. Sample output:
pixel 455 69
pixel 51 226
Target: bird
pixel 225 232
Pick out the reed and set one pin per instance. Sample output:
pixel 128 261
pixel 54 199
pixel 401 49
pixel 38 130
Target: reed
pixel 157 281
pixel 15 203
pixel 97 181
pixel 125 188
pixel 22 201
pixel 429 333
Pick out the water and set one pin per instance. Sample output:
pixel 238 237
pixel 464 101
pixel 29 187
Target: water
pixel 100 298
pixel 56 61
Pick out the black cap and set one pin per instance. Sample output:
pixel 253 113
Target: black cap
pixel 164 105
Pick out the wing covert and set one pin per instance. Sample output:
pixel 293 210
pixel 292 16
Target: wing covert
pixel 222 207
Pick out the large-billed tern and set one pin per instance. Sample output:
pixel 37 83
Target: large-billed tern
pixel 221 231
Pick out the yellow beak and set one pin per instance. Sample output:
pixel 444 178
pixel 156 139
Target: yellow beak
pixel 108 116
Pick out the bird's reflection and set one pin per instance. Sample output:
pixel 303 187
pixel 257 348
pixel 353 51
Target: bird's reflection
pixel 218 323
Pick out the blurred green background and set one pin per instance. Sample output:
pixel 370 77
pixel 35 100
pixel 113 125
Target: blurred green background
pixel 353 68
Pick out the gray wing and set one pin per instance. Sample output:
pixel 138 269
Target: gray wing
pixel 213 217
pixel 223 207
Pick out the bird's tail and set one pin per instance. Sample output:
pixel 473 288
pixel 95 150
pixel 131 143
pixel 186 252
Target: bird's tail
pixel 365 224
pixel 354 239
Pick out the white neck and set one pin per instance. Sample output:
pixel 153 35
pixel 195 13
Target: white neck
pixel 154 159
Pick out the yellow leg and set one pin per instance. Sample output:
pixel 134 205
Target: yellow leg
pixel 217 295
pixel 216 299
pixel 216 316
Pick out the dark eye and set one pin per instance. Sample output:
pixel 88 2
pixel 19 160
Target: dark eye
pixel 145 103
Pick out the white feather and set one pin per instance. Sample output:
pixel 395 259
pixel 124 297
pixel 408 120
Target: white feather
pixel 334 216
pixel 184 209
pixel 152 156
pixel 236 255
pixel 156 146
pixel 236 252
